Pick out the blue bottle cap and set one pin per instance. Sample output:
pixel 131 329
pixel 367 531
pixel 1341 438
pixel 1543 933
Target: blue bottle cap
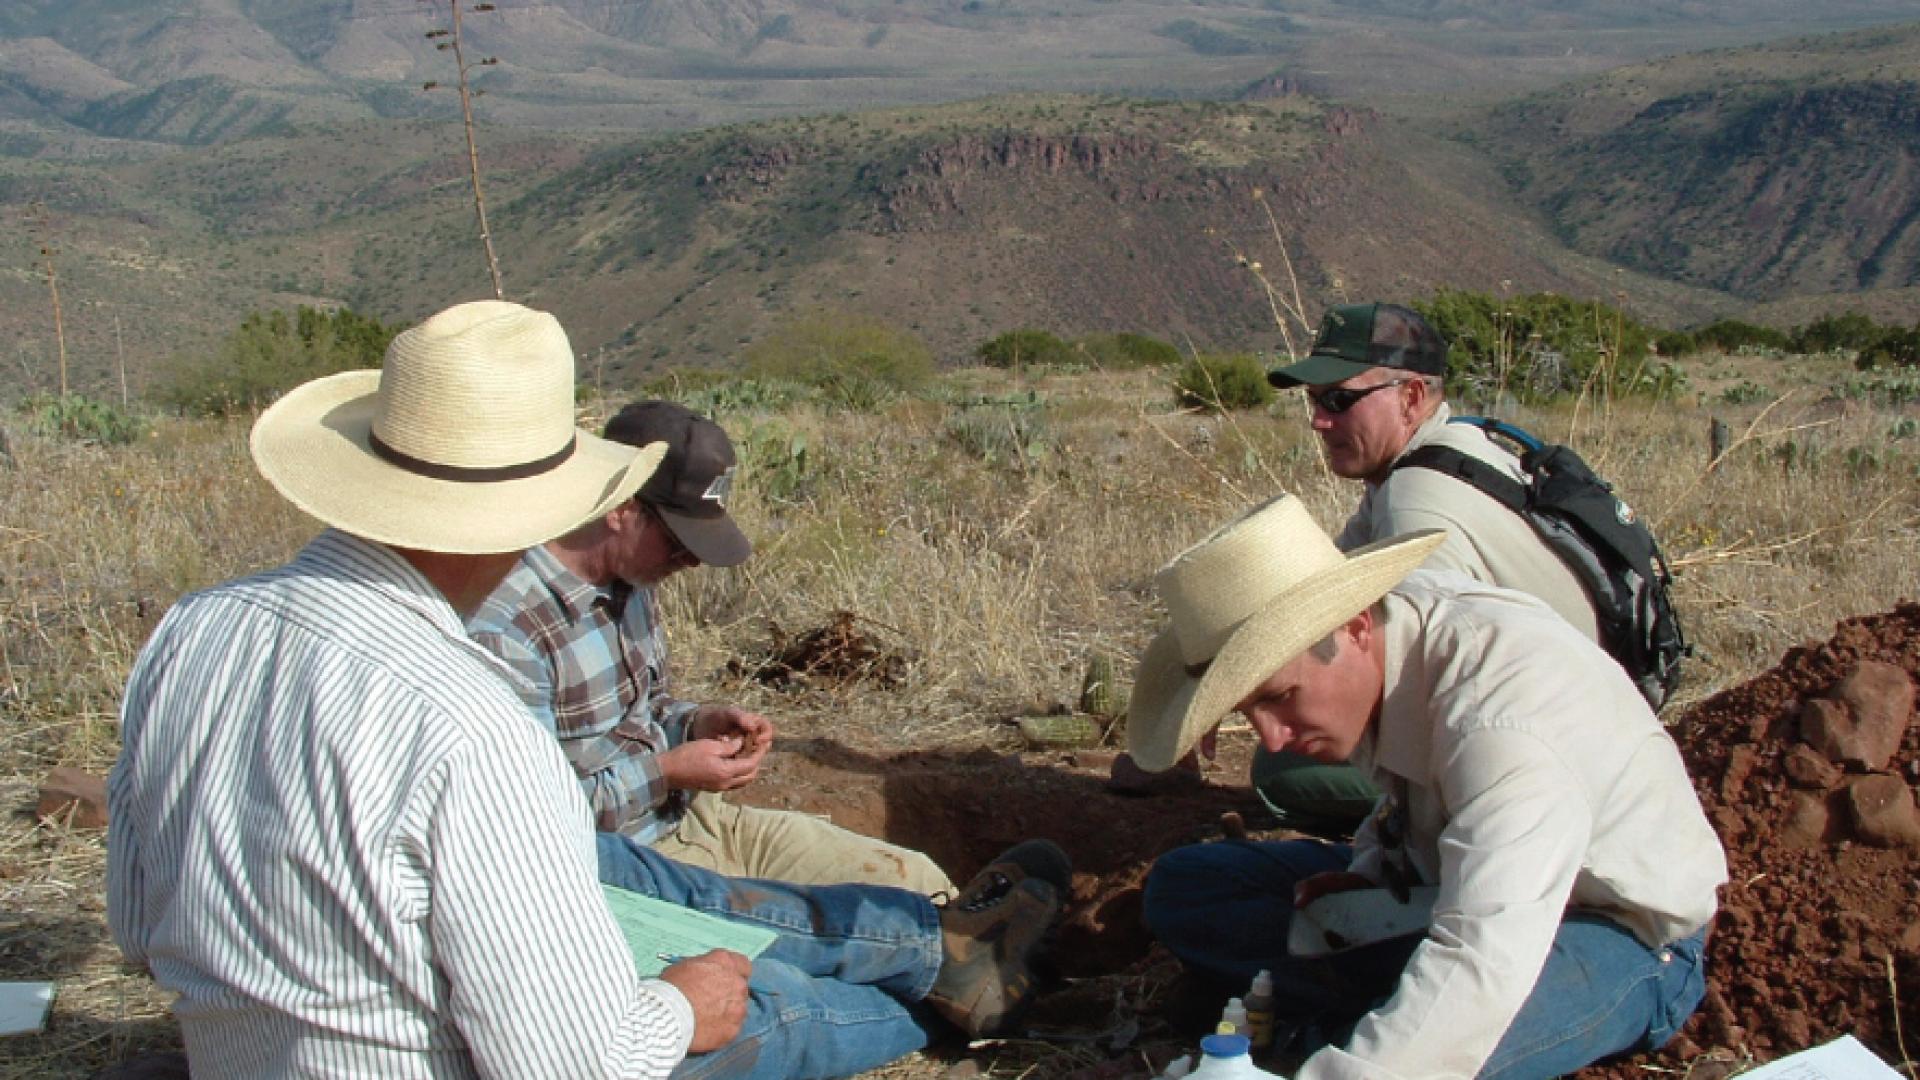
pixel 1224 1046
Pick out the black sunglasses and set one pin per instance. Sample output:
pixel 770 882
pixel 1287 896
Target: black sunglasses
pixel 1341 398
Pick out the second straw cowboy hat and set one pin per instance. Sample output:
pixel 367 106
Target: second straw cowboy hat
pixel 1243 603
pixel 464 442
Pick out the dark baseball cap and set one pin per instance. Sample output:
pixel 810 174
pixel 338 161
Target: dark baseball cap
pixel 689 490
pixel 1355 337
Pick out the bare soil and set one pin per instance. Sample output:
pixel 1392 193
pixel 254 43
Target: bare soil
pixel 1819 933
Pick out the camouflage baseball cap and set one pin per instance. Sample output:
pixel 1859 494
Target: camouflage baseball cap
pixel 689 490
pixel 1355 337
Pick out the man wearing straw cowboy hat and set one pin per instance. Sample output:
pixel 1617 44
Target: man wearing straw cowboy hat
pixel 340 839
pixel 1526 780
pixel 577 619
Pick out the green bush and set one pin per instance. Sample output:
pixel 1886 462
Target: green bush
pixel 1116 352
pixel 1675 343
pixel 1539 346
pixel 1895 348
pixel 852 358
pixel 75 416
pixel 1852 331
pixel 1220 382
pixel 1024 348
pixel 271 353
pixel 1732 335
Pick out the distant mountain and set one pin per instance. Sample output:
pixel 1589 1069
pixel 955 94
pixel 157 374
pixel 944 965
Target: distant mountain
pixel 198 71
pixel 1768 171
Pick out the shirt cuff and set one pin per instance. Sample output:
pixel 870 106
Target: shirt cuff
pixel 670 996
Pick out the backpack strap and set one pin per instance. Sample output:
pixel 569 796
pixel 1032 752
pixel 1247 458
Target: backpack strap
pixel 1471 471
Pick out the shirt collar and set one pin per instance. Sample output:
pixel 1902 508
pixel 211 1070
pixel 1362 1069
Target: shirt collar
pixel 1428 429
pixel 573 593
pixel 1399 741
pixel 383 570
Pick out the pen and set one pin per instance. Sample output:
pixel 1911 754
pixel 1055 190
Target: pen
pixel 669 959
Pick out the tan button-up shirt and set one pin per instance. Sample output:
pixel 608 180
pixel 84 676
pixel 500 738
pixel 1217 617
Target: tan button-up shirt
pixel 1485 540
pixel 1535 779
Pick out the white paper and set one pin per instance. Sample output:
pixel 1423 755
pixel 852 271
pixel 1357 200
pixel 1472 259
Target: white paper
pixel 23 1006
pixel 1842 1059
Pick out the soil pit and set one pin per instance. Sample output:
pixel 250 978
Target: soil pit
pixel 1818 936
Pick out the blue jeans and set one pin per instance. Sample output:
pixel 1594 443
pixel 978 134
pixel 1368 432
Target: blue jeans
pixel 1224 910
pixel 836 993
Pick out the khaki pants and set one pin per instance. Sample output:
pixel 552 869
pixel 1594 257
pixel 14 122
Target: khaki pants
pixel 746 841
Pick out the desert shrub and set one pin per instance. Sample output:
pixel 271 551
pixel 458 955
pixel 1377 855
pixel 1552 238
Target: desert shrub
pixel 1541 345
pixel 1732 335
pixel 1746 392
pixel 1116 352
pixel 1015 435
pixel 76 416
pixel 720 393
pixel 853 358
pixel 1218 382
pixel 271 353
pixel 1895 348
pixel 1852 331
pixel 1024 348
pixel 1675 343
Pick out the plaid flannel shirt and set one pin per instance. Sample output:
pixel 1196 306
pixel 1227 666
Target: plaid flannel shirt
pixel 591 663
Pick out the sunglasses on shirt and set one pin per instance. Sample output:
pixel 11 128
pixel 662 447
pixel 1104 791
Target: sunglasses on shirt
pixel 1341 398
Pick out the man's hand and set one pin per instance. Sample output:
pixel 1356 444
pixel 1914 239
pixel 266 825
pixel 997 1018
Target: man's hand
pixel 715 984
pixel 718 721
pixel 719 764
pixel 1309 889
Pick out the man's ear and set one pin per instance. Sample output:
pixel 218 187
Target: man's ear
pixel 1360 630
pixel 627 517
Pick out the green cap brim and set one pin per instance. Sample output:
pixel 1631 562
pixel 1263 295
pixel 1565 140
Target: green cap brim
pixel 1315 371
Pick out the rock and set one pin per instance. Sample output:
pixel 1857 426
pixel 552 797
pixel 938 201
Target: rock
pixel 1883 811
pixel 1808 768
pixel 1880 697
pixel 1861 723
pixel 1739 767
pixel 74 796
pixel 1807 821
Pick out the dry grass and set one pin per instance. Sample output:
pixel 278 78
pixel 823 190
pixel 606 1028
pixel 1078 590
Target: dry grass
pixel 998 578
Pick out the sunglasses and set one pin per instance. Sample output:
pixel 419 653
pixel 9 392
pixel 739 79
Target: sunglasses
pixel 1341 398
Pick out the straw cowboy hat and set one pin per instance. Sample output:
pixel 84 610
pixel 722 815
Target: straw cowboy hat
pixel 1244 603
pixel 464 442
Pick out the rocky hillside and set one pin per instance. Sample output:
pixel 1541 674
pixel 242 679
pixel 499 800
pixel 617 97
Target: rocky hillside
pixel 1791 168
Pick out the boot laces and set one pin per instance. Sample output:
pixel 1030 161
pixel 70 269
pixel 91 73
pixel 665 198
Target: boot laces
pixel 993 891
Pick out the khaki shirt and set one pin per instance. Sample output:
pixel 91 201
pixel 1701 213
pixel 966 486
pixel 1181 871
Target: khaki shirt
pixel 1485 540
pixel 1535 779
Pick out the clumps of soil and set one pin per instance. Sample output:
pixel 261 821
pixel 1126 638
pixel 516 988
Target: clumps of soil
pixel 1807 773
pixel 838 652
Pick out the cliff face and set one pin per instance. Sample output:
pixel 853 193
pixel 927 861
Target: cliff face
pixel 1765 172
pixel 1070 214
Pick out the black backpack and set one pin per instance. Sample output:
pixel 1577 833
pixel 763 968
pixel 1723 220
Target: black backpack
pixel 1596 535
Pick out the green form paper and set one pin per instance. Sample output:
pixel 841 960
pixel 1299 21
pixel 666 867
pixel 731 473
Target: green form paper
pixel 655 928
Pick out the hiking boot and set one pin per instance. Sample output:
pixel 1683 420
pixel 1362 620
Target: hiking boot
pixel 991 932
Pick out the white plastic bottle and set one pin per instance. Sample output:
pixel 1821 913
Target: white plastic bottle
pixel 1233 1018
pixel 1177 1069
pixel 1224 1057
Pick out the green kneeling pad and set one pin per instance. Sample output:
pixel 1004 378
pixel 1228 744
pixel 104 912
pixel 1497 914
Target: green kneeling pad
pixel 1312 797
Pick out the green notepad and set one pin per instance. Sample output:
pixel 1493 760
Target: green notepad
pixel 655 928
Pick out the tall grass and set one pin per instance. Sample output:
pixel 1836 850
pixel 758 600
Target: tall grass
pixel 998 578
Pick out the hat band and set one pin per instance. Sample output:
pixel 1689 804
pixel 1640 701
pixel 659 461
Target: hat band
pixel 435 470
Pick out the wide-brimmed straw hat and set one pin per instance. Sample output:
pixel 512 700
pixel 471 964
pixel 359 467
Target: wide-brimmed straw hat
pixel 1242 604
pixel 464 442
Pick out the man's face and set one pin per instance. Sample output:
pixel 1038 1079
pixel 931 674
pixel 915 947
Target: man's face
pixel 1362 442
pixel 647 552
pixel 1320 709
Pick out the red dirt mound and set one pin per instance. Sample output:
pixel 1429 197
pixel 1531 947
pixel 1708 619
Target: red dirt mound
pixel 1807 772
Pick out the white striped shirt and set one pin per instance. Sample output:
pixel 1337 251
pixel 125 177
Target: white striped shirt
pixel 338 835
